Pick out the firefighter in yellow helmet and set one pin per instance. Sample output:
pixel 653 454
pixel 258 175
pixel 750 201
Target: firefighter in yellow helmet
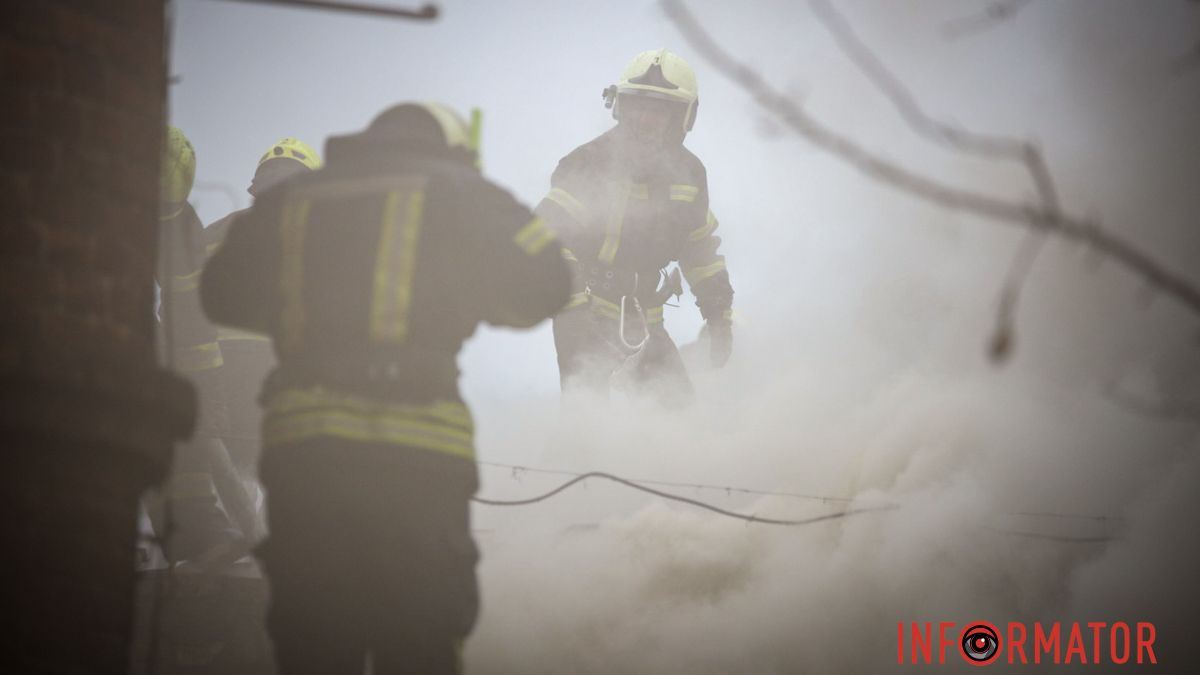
pixel 248 357
pixel 627 205
pixel 368 275
pixel 201 471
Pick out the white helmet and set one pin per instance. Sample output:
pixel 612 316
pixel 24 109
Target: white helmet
pixel 659 74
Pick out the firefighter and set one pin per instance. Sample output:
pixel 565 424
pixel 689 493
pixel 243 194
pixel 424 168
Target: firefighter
pixel 199 526
pixel 247 355
pixel 368 275
pixel 626 205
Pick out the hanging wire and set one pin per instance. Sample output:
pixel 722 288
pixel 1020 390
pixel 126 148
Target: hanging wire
pixel 686 500
pixel 664 483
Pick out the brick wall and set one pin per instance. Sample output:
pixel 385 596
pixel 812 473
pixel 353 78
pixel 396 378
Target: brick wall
pixel 86 418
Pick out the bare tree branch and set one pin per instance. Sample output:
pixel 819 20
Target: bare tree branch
pixel 994 13
pixel 1165 410
pixel 984 145
pixel 1027 154
pixel 1035 217
pixel 424 13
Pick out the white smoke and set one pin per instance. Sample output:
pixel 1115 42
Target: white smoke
pixel 859 368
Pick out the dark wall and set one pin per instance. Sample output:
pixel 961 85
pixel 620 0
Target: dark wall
pixel 86 418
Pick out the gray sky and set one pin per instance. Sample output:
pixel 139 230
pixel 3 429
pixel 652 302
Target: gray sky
pixel 859 366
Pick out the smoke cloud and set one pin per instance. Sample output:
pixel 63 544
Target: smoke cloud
pixel 859 371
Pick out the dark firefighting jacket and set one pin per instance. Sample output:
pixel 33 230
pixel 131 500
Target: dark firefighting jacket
pixel 368 275
pixel 227 337
pixel 623 216
pixel 191 338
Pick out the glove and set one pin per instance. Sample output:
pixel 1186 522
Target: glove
pixel 720 342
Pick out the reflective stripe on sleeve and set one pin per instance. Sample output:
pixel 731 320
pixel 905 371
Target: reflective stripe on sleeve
pixel 534 236
pixel 684 193
pixel 697 274
pixel 709 226
pixel 568 202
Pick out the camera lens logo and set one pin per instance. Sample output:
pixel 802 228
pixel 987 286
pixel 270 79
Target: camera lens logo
pixel 980 643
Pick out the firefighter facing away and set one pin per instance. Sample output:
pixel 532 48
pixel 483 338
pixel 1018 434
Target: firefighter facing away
pixel 626 205
pixel 248 355
pixel 368 275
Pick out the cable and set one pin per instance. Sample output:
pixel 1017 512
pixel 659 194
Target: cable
pixel 666 495
pixel 728 489
pixel 698 486
pixel 1055 537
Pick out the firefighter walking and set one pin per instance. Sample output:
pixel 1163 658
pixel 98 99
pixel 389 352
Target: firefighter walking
pixel 368 275
pixel 626 205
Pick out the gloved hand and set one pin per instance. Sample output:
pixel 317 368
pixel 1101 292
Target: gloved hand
pixel 720 342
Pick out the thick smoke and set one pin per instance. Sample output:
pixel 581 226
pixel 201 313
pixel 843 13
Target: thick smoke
pixel 859 370
pixel 880 394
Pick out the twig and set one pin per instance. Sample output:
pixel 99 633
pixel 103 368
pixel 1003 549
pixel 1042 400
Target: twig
pixel 994 13
pixel 1167 410
pixel 1027 154
pixel 1023 215
pixel 984 145
pixel 425 13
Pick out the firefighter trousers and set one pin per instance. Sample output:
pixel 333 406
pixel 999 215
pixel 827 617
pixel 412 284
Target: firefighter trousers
pixel 591 357
pixel 369 554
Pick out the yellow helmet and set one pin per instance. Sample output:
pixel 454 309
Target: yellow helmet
pixel 660 74
pixel 292 148
pixel 177 169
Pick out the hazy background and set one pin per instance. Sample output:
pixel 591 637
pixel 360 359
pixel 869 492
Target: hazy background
pixel 859 368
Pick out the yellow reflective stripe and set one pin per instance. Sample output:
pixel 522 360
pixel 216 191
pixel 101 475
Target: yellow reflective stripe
pixel 577 299
pixel 294 428
pixel 189 485
pixel 394 266
pixel 616 220
pixel 602 306
pixel 568 255
pixel 296 415
pixel 534 236
pixel 727 314
pixel 696 274
pixel 186 282
pixel 226 334
pixel 211 248
pixel 684 193
pixel 291 272
pixel 568 202
pixel 198 357
pixel 318 398
pixel 172 215
pixel 709 226
pixel 611 309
